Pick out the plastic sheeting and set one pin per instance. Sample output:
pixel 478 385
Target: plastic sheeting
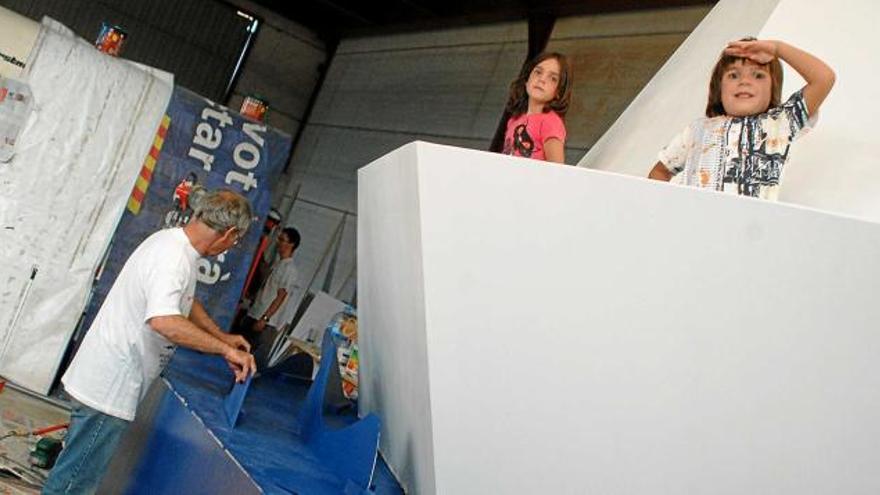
pixel 93 122
pixel 833 167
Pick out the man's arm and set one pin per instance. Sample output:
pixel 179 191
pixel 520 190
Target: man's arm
pixel 183 332
pixel 200 317
pixel 276 303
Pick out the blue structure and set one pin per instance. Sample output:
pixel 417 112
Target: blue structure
pixel 235 400
pixel 353 449
pixel 182 441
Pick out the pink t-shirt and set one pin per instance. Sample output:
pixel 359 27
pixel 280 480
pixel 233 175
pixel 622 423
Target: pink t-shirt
pixel 526 134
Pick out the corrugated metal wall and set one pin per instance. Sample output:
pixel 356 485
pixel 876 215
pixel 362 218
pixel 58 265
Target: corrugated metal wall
pixel 200 41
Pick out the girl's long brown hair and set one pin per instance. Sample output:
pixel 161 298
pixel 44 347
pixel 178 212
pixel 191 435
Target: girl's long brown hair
pixel 518 102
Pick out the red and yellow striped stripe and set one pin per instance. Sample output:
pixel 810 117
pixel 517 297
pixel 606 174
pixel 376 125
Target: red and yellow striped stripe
pixel 143 181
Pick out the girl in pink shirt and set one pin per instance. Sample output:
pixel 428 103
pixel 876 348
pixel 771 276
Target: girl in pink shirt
pixel 538 101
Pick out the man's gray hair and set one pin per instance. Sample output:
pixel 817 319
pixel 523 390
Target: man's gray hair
pixel 224 208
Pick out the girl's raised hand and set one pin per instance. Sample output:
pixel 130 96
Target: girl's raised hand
pixel 758 51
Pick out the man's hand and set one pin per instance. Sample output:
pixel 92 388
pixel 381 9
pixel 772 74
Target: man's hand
pixel 242 363
pixel 236 341
pixel 259 325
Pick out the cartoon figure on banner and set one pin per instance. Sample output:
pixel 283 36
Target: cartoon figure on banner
pixel 186 194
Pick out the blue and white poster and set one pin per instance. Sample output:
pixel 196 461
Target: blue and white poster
pixel 200 146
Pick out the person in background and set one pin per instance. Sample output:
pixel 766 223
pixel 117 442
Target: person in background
pixel 150 309
pixel 744 141
pixel 538 100
pixel 266 315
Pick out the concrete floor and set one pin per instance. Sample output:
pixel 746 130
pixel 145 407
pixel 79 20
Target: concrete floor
pixel 22 412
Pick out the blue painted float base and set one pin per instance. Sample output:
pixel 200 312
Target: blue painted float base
pixel 181 441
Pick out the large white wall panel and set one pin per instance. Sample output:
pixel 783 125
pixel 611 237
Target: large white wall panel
pixel 836 167
pixel 564 330
pixel 392 316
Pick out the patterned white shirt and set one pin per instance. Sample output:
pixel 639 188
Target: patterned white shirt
pixel 738 155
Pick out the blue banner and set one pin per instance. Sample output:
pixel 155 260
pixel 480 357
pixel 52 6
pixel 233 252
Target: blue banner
pixel 201 145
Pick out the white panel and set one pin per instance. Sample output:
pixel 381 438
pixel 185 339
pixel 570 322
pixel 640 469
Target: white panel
pixel 94 120
pixel 835 167
pixel 588 332
pixel 394 362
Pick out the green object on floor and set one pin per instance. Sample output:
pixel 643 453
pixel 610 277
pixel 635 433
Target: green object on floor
pixel 45 453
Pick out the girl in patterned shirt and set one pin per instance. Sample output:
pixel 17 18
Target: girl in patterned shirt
pixel 538 101
pixel 744 141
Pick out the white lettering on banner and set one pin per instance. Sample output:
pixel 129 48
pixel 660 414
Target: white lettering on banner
pixel 208 137
pixel 251 131
pixel 206 159
pixel 11 60
pixel 247 180
pixel 222 118
pixel 246 156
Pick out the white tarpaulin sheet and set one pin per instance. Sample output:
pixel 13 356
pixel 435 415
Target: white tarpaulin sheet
pixel 92 123
pixel 833 167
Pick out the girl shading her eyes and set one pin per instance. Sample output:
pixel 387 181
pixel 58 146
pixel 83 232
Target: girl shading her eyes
pixel 744 141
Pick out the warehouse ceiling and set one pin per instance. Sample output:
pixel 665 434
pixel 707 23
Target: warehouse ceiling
pixel 334 19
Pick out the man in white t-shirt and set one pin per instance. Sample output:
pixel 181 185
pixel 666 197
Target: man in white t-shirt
pixel 150 309
pixel 270 308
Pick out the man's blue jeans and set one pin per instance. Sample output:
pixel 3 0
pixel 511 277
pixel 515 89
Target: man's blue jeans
pixel 90 443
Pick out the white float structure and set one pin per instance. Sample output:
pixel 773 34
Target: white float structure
pixel 532 328
pixel 528 328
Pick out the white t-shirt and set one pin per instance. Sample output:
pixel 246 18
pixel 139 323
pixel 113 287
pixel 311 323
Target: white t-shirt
pixel 283 276
pixel 121 354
